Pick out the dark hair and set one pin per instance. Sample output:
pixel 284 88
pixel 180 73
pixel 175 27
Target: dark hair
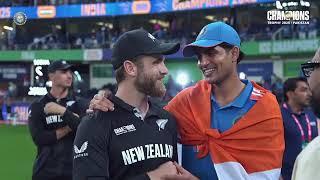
pixel 120 72
pixel 228 47
pixel 291 85
pixel 110 87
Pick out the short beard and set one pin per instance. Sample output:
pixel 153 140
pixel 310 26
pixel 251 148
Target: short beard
pixel 148 85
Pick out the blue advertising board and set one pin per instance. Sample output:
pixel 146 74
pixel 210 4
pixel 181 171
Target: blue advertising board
pixel 120 8
pixel 256 69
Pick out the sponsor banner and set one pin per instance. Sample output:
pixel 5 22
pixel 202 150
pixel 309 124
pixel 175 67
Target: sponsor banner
pixel 69 55
pixel 256 69
pixel 93 54
pixel 292 68
pixel 93 9
pixel 5 12
pixel 280 47
pixel 46 11
pixel 120 8
pixel 13 72
pixel 141 7
pixel 102 71
pixel 17 115
pixel 107 54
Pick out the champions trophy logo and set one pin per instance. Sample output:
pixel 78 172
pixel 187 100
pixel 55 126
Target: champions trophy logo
pixel 20 18
pixel 290 13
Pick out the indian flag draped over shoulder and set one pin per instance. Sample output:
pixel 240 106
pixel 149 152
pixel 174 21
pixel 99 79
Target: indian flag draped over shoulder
pixel 251 149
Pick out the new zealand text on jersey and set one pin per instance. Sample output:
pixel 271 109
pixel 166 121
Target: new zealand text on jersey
pixel 53 119
pixel 148 151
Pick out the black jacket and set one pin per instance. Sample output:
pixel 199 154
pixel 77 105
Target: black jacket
pixel 118 145
pixel 54 157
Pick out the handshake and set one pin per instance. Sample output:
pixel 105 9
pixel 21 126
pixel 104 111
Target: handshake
pixel 171 171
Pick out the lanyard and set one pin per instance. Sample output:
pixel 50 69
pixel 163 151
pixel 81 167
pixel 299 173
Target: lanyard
pixel 300 127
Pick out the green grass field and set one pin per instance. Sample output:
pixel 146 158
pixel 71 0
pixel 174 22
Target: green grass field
pixel 17 153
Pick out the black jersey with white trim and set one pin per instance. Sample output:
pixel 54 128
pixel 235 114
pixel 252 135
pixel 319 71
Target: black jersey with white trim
pixel 54 156
pixel 119 145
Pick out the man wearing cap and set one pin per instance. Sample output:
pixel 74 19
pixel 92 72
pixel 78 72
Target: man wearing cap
pixel 53 121
pixel 307 162
pixel 138 140
pixel 229 128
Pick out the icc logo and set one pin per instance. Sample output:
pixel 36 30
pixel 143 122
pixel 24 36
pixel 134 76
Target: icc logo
pixel 20 18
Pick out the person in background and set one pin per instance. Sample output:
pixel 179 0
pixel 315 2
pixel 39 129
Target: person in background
pixel 300 123
pixel 53 121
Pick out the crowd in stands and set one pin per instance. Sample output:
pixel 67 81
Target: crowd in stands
pixel 179 30
pixel 291 31
pixel 104 37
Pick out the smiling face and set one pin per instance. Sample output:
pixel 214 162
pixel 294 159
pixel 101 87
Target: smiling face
pixel 149 79
pixel 217 63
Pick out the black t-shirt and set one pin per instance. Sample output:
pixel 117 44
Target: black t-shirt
pixel 119 145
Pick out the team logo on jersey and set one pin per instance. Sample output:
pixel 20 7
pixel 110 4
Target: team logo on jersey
pixel 124 129
pixel 69 103
pixel 81 152
pixel 162 123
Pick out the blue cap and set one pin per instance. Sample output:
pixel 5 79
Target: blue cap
pixel 212 35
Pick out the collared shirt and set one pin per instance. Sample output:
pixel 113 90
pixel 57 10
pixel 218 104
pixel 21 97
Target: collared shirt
pixel 54 157
pixel 293 137
pixel 120 145
pixel 222 118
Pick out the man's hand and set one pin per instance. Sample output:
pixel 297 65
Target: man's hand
pixel 163 170
pixel 182 174
pixel 101 102
pixel 54 108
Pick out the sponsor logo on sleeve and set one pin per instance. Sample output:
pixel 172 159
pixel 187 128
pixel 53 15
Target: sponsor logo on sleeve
pixel 82 151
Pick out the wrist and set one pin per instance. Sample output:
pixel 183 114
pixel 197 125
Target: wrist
pixel 151 174
pixel 62 110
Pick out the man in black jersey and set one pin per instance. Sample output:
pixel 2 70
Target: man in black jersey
pixel 53 121
pixel 138 139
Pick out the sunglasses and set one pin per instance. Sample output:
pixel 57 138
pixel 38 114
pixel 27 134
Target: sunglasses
pixel 309 67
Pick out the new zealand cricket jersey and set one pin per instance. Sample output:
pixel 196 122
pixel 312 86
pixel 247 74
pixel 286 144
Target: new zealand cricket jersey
pixel 54 156
pixel 119 145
